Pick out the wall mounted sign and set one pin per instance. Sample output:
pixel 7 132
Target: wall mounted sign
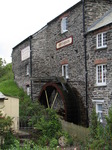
pixel 25 53
pixel 65 42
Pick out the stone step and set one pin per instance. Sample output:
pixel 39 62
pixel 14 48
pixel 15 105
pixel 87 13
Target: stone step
pixel 23 136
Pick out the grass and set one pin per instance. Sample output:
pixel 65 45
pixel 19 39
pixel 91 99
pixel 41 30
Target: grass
pixel 78 133
pixel 10 88
pixel 7 84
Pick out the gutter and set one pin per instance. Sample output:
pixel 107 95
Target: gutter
pixel 30 37
pixel 86 75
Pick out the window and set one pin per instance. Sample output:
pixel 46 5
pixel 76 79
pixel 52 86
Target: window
pixel 101 74
pixel 99 109
pixel 25 53
pixel 64 25
pixel 27 69
pixel 102 40
pixel 65 71
pixel 28 90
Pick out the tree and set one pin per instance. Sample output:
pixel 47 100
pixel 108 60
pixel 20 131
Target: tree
pixel 5 69
pixel 2 69
pixel 2 62
pixel 5 129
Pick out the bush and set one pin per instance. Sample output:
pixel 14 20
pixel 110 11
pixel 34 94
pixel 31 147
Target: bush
pixel 6 133
pixel 93 124
pixel 53 143
pixel 49 125
pixel 8 139
pixel 27 145
pixel 100 136
pixel 47 128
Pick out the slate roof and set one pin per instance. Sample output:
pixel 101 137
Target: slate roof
pixel 103 21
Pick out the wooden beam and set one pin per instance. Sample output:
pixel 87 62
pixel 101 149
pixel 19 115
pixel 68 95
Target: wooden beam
pixel 47 99
pixel 54 100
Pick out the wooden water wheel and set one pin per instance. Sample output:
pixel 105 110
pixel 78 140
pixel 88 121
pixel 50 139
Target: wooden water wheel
pixel 54 96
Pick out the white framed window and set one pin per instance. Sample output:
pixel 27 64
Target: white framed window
pixel 28 90
pixel 25 53
pixel 27 70
pixel 99 109
pixel 101 74
pixel 101 40
pixel 64 25
pixel 65 71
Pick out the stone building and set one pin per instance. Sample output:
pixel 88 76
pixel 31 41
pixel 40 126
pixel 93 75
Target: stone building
pixel 57 64
pixel 99 64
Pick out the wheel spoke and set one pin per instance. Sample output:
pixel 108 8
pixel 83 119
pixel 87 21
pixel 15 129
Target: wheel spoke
pixel 47 99
pixel 54 100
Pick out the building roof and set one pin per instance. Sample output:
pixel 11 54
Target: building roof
pixel 103 21
pixel 2 97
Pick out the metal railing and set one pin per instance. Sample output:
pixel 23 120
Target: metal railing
pixel 22 123
pixel 25 124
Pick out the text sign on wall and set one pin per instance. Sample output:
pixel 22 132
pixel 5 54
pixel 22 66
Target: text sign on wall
pixel 25 53
pixel 65 42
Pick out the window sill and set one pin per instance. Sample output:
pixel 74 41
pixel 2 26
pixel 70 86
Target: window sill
pixel 103 85
pixel 64 31
pixel 101 48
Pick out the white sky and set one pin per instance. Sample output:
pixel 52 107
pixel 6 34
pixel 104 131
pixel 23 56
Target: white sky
pixel 21 18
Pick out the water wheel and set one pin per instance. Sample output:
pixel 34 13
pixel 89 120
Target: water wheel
pixel 54 96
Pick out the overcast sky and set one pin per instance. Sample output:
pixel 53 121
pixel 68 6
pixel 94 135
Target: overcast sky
pixel 21 18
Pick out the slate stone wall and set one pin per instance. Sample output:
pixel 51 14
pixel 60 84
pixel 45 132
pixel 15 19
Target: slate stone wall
pixel 99 56
pixel 47 61
pixel 19 66
pixel 95 9
pixel 40 60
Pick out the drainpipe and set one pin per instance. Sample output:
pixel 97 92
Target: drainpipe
pixel 30 64
pixel 86 77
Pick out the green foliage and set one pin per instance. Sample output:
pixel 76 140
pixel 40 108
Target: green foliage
pixel 100 136
pixel 49 125
pixel 68 138
pixel 109 120
pixel 108 128
pixel 2 62
pixel 31 109
pixel 8 139
pixel 47 128
pixel 53 143
pixel 7 73
pixel 28 145
pixel 7 84
pixel 94 123
pixel 5 123
pixel 5 130
pixel 2 68
pixel 5 70
pixel 10 88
